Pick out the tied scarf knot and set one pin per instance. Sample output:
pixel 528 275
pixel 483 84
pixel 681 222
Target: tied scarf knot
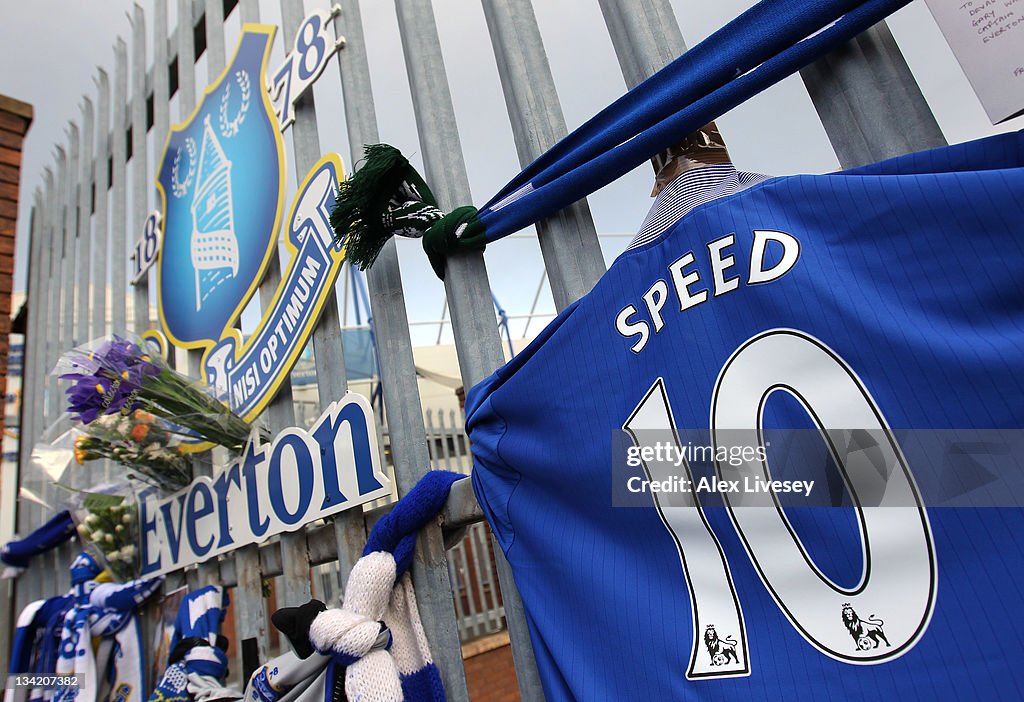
pixel 387 197
pixel 460 229
pixel 355 635
pixel 350 636
pixel 376 637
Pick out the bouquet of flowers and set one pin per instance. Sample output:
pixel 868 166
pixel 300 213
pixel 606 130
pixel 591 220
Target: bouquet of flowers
pixel 107 522
pixel 115 376
pixel 137 441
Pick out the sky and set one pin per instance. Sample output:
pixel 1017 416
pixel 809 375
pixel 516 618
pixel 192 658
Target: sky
pixel 52 51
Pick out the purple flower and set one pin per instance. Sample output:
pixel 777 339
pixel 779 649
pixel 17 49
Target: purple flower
pixel 86 397
pixel 117 375
pixel 108 380
pixel 147 367
pixel 111 358
pixel 117 360
pixel 118 350
pixel 93 395
pixel 120 355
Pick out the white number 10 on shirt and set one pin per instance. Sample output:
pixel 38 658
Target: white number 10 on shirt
pixel 880 618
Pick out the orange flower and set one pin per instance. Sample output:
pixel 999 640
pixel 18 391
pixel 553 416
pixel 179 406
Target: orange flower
pixel 142 416
pixel 139 432
pixel 80 455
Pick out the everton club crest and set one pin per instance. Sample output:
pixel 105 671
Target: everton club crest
pixel 221 182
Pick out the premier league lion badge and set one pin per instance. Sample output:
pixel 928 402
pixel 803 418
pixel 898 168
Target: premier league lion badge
pixel 221 181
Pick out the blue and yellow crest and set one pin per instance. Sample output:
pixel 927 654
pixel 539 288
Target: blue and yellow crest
pixel 221 181
pixel 222 185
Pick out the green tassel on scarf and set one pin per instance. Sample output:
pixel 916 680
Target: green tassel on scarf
pixel 386 196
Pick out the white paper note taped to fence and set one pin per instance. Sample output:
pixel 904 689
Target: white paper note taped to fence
pixel 987 37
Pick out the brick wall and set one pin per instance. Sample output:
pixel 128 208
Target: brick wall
pixel 15 118
pixel 490 672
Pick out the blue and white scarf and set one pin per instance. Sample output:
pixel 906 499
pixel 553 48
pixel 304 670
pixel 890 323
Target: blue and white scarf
pixel 197 666
pixel 16 554
pixel 374 643
pixel 114 670
pixel 36 643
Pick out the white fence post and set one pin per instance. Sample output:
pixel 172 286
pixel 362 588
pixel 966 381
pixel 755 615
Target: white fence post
pixel 83 258
pixel 119 202
pixel 101 222
pixel 568 239
pixel 141 175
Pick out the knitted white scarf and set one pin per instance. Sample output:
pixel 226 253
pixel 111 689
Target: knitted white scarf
pixel 377 633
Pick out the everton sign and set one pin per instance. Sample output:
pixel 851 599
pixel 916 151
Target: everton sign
pixel 297 478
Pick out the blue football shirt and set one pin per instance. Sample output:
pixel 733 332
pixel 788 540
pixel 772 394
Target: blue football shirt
pixel 860 331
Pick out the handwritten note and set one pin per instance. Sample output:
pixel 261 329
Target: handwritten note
pixel 987 37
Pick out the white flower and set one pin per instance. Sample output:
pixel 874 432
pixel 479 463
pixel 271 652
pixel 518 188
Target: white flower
pixel 128 551
pixel 127 519
pixel 98 535
pixel 83 531
pixel 119 528
pixel 106 421
pixel 109 538
pixel 91 519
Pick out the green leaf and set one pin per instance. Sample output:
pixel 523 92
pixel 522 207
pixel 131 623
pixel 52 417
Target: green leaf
pixel 97 501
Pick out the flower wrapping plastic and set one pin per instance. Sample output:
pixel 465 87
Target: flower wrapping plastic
pixel 140 442
pixel 107 519
pixel 116 376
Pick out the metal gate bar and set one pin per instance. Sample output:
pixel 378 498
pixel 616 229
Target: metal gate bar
pixel 35 354
pixel 101 224
pixel 83 256
pixel 644 34
pixel 466 287
pixel 398 378
pixel 326 338
pixel 869 102
pixel 119 202
pixel 186 103
pixel 568 239
pixel 141 177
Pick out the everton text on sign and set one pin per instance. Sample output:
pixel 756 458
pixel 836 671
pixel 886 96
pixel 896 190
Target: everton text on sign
pixel 297 478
